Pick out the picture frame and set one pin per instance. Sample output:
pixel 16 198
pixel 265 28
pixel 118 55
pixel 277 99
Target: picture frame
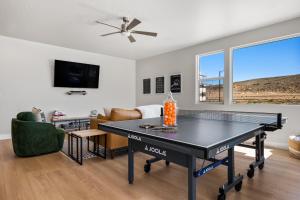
pixel 147 86
pixel 160 85
pixel 175 83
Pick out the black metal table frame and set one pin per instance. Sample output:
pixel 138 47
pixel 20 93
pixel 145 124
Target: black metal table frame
pixel 78 141
pixel 186 156
pixel 233 181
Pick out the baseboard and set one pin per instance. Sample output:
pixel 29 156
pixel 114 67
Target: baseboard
pixel 276 145
pixel 5 136
pixel 270 144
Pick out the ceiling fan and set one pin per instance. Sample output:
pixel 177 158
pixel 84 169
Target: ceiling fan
pixel 126 29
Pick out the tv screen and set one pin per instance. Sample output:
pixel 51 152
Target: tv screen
pixel 75 75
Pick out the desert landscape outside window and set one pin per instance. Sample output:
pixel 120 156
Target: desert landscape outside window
pixel 211 77
pixel 267 73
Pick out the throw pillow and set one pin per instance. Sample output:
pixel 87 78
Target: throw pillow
pixel 39 114
pixel 107 112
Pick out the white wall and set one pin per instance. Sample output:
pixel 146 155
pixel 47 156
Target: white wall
pixel 183 61
pixel 26 80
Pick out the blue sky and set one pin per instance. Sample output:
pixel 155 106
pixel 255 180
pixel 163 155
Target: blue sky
pixel 267 60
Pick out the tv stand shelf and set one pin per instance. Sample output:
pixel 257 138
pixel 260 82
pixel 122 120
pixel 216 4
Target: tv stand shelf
pixel 83 92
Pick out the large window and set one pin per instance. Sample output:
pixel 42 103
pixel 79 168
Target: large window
pixel 211 77
pixel 267 73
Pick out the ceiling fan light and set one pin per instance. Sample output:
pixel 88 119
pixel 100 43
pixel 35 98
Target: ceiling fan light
pixel 126 33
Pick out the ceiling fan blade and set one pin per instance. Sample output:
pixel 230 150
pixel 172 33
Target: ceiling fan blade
pixel 133 24
pixel 131 38
pixel 145 33
pixel 108 25
pixel 111 33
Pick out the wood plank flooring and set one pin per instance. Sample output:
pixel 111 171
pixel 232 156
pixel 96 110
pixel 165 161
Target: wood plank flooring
pixel 56 177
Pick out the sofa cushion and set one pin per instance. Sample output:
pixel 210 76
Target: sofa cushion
pixel 118 114
pixel 26 116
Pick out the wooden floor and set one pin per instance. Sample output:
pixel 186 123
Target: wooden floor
pixel 56 177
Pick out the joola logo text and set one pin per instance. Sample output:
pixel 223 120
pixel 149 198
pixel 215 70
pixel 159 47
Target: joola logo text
pixel 156 150
pixel 134 137
pixel 223 148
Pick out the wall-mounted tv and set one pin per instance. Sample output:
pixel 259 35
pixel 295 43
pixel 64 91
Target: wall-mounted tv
pixel 75 75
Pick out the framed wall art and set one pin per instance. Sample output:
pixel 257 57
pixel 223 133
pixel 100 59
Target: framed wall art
pixel 160 85
pixel 147 86
pixel 175 83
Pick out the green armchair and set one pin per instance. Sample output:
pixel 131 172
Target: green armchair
pixel 31 138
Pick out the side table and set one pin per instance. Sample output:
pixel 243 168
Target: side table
pixel 78 137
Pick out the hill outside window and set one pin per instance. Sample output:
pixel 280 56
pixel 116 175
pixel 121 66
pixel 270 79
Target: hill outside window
pixel 267 73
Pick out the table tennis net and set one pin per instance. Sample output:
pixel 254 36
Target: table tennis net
pixel 233 116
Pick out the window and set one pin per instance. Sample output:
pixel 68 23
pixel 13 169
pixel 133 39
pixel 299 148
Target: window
pixel 211 77
pixel 267 73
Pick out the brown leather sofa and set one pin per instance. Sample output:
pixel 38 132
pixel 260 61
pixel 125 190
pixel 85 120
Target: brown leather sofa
pixel 115 142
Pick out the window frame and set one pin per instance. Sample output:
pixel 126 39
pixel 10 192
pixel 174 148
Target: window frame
pixel 231 60
pixel 197 73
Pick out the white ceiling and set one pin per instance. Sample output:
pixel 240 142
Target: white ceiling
pixel 179 23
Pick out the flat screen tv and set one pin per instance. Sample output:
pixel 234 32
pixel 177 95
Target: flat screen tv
pixel 75 75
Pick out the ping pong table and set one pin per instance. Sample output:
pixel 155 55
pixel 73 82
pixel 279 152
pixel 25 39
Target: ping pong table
pixel 201 135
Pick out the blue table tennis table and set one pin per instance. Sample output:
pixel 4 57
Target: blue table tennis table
pixel 200 135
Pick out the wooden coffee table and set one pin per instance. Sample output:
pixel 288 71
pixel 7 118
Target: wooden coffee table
pixel 90 134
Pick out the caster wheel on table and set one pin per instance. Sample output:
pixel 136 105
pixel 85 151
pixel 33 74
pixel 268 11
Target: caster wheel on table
pixel 147 168
pixel 261 166
pixel 167 163
pixel 221 196
pixel 238 186
pixel 250 173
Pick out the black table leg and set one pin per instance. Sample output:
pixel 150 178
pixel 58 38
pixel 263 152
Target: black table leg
pixel 258 148
pixel 233 181
pixel 71 144
pixel 259 155
pixel 88 143
pixel 262 147
pixel 96 143
pixel 130 162
pixel 105 145
pixel 230 168
pixel 78 158
pixel 191 178
pixel 81 150
pixel 77 153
